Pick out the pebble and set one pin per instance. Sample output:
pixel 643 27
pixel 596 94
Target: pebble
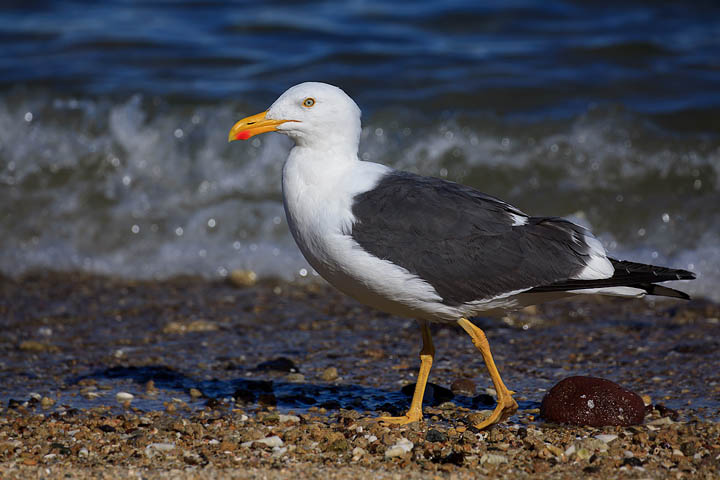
pixel 161 446
pixel 357 453
pixel 271 442
pixel 123 397
pixel 402 447
pixel 607 438
pixel 493 459
pixel 329 374
pixel 243 278
pixel 280 364
pixel 593 402
pixel 288 418
pixel 47 402
pixel 295 377
pixel 195 393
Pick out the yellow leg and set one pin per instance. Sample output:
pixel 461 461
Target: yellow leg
pixel 426 358
pixel 506 405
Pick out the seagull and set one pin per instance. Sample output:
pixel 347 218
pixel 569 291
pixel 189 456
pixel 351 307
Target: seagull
pixel 423 247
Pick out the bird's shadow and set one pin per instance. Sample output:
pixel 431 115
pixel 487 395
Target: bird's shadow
pixel 251 392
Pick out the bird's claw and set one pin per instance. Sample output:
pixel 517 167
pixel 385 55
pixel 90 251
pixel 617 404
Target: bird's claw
pixel 506 406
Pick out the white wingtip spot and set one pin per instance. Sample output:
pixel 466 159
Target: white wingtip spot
pixel 599 266
pixel 518 220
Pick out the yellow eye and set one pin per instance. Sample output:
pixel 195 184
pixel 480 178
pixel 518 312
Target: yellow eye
pixel 309 102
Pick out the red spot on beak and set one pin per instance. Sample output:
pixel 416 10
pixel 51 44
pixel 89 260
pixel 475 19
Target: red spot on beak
pixel 244 135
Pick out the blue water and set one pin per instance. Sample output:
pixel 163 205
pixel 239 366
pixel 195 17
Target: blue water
pixel 114 115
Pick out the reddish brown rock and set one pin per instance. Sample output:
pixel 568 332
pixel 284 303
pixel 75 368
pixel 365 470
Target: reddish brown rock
pixel 591 401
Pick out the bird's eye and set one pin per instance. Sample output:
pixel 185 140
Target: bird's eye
pixel 309 102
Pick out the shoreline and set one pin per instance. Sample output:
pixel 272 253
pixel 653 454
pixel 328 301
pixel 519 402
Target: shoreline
pixel 194 353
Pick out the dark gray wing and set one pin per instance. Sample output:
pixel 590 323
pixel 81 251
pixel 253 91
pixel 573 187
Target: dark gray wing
pixel 462 241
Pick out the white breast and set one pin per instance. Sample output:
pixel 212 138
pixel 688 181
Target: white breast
pixel 318 194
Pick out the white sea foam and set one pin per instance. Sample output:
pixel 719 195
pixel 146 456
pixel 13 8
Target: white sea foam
pixel 114 188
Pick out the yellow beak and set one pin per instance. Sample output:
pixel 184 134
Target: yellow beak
pixel 254 125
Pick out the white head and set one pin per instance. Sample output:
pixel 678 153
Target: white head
pixel 315 115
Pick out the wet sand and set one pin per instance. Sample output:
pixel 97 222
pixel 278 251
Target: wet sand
pixel 211 368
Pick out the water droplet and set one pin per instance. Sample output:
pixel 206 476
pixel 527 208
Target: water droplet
pixel 379 132
pixel 654 254
pixel 619 198
pixel 303 272
pixel 641 232
pixel 554 148
pixel 222 271
pixel 443 172
pixel 366 156
pixel 697 184
pixel 277 220
pixel 275 252
pixel 665 217
pixel 179 231
pixel 237 245
pixel 179 133
pixel 211 223
pixel 202 253
pixel 505 142
pixel 28 117
pixel 126 180
pixel 135 229
pixel 195 119
pixel 253 247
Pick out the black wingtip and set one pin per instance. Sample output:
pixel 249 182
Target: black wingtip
pixel 662 291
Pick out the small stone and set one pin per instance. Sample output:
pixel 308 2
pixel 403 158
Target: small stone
pixel 584 453
pixel 647 400
pixel 661 421
pixel 271 442
pixel 47 402
pixel 195 393
pixel 463 386
pixel 160 447
pixel 339 445
pixel 280 364
pixel 243 278
pixel 357 453
pixel 123 397
pixel 192 458
pixel 329 374
pixel 606 438
pixel 83 452
pixel 295 377
pixel 288 418
pixel 493 459
pixel 435 436
pixel 591 401
pixel 402 447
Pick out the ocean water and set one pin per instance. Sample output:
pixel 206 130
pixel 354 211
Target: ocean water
pixel 114 118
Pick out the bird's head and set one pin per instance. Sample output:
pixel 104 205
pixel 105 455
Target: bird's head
pixel 313 114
